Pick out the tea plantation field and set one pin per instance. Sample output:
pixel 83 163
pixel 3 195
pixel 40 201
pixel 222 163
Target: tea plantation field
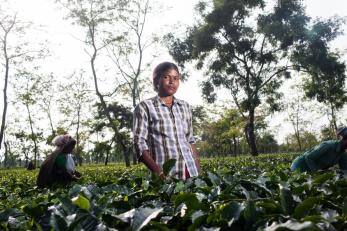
pixel 244 193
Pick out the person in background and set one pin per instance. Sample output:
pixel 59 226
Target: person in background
pixel 59 166
pixel 324 155
pixel 162 127
pixel 31 165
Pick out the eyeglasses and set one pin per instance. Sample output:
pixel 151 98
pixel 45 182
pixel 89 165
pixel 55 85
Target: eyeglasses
pixel 172 77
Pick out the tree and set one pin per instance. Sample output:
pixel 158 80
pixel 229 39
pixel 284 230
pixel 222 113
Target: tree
pixel 308 140
pixel 27 92
pixel 233 123
pixel 117 26
pixel 327 72
pixel 326 134
pixel 74 106
pixel 222 136
pixel 248 48
pixel 46 100
pixel 15 52
pixel 98 17
pixel 199 120
pixel 128 50
pixel 296 108
pixel 267 143
pixel 124 123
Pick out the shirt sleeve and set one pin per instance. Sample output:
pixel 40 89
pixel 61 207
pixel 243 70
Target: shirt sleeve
pixel 190 135
pixel 315 156
pixel 140 129
pixel 343 162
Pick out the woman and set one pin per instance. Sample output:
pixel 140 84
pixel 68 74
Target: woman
pixel 58 167
pixel 324 155
pixel 162 127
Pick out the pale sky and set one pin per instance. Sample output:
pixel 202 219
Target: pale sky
pixel 69 54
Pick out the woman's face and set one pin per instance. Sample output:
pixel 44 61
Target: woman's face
pixel 169 83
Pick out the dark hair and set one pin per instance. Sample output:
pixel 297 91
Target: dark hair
pixel 161 70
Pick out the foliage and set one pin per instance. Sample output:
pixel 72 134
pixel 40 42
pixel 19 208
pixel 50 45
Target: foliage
pixel 225 136
pixel 243 193
pixel 199 119
pixel 267 143
pixel 308 140
pixel 249 47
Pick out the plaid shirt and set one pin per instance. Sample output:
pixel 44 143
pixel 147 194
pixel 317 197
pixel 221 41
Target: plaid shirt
pixel 166 133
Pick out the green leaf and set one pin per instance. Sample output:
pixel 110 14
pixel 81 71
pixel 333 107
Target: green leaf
pixel 4 215
pixel 314 219
pixel 81 202
pixel 127 216
pixel 231 211
pixel 213 178
pixel 120 189
pixel 75 190
pixel 330 215
pixel 144 215
pixel 304 207
pixel 58 223
pixel 200 183
pixel 344 208
pixel 250 212
pixel 189 199
pixel 89 223
pixel 322 178
pixel 75 221
pixel 168 165
pixel 67 204
pixel 33 210
pixel 180 186
pixel 198 219
pixel 287 201
pixel 270 206
pixel 292 225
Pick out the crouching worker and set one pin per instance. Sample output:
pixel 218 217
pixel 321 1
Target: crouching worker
pixel 59 166
pixel 324 155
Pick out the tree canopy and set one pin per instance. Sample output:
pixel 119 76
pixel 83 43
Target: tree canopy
pixel 250 46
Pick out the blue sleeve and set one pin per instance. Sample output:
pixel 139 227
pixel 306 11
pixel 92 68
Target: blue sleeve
pixel 316 155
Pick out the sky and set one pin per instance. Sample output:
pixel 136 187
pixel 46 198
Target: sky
pixel 69 54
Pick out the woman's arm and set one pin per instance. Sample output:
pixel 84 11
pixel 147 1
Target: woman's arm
pixel 150 163
pixel 140 131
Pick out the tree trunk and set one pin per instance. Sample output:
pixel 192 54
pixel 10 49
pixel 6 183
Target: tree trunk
pixel 6 155
pixel 4 112
pixel 297 135
pixel 103 103
pixel 106 159
pixel 33 136
pixel 250 136
pixel 333 120
pixel 51 123
pixel 78 154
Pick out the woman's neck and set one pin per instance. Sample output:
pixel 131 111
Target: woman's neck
pixel 168 100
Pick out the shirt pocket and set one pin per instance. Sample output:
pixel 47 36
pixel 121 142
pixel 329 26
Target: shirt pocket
pixel 183 124
pixel 158 126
